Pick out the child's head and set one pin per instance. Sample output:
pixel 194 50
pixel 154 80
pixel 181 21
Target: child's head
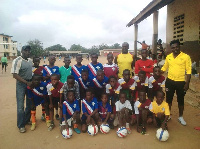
pixel 100 75
pixel 70 81
pixel 160 95
pixel 36 61
pixel 110 58
pixel 88 94
pixel 94 57
pixel 156 71
pixel 84 74
pixel 112 80
pixel 36 79
pixel 55 79
pixel 144 53
pixel 142 96
pixel 122 97
pixel 52 60
pixel 79 58
pixel 67 60
pixel 126 74
pixel 104 98
pixel 70 95
pixel 142 75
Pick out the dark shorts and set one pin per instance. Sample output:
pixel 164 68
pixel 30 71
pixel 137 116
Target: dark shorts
pixel 4 64
pixel 172 86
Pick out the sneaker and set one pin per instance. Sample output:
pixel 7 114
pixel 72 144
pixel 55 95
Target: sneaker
pixel 128 129
pixel 182 121
pixel 77 130
pixel 33 126
pixel 143 131
pixel 43 117
pixel 48 123
pixel 22 130
pixel 51 127
pixel 57 116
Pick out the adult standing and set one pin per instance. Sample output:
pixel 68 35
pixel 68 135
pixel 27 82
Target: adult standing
pixel 144 45
pixel 4 62
pixel 124 60
pixel 22 72
pixel 178 64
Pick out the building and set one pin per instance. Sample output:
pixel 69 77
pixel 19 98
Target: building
pixel 8 46
pixel 63 53
pixel 115 52
pixel 183 23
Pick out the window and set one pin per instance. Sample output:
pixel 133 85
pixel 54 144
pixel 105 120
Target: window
pixel 179 28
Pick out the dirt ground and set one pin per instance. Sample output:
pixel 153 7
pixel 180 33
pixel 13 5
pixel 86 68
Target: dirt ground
pixel 185 137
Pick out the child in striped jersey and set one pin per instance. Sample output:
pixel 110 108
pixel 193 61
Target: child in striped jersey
pixel 37 93
pixel 78 67
pixel 90 110
pixel 55 92
pixel 71 112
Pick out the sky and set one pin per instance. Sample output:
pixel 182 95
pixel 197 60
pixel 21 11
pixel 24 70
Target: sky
pixel 84 22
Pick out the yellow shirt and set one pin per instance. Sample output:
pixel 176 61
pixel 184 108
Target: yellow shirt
pixel 177 66
pixel 124 61
pixel 163 108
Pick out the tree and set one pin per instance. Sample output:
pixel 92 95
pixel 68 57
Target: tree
pixel 75 47
pixel 56 47
pixel 36 47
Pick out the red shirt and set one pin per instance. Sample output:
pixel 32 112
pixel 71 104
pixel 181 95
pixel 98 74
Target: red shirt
pixel 38 70
pixel 127 85
pixel 146 66
pixel 110 70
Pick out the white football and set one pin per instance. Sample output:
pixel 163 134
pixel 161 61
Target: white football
pixel 162 135
pixel 67 133
pixel 92 130
pixel 104 128
pixel 122 132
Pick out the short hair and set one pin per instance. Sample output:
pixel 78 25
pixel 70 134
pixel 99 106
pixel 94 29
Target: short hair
pixel 125 43
pixel 126 70
pixel 93 54
pixel 84 71
pixel 110 53
pixel 26 47
pixel 70 91
pixel 104 93
pixel 37 75
pixel 156 67
pixel 79 55
pixel 122 92
pixel 141 91
pixel 175 41
pixel 89 90
pixel 112 77
pixel 55 75
pixel 100 70
pixel 35 57
pixel 142 72
pixel 159 91
pixel 70 77
pixel 144 50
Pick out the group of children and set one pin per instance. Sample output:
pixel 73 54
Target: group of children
pixel 94 94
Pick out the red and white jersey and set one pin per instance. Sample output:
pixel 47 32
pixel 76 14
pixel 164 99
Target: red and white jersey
pixel 113 90
pixel 127 85
pixel 55 92
pixel 110 70
pixel 139 85
pixel 146 105
pixel 156 83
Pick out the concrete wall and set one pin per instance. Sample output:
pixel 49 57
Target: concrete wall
pixel 191 34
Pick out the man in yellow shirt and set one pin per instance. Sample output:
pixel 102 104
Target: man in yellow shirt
pixel 177 63
pixel 124 60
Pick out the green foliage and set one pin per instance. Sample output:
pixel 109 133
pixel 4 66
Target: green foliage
pixel 56 47
pixel 36 47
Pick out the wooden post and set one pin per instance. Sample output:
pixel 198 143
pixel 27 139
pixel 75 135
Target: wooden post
pixel 155 32
pixel 135 41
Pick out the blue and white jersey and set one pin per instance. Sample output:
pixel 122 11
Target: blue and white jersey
pixel 70 108
pixel 100 84
pixel 37 93
pixel 85 83
pixel 92 69
pixel 89 107
pixel 50 71
pixel 76 71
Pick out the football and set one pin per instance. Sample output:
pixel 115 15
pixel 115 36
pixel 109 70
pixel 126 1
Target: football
pixel 162 135
pixel 122 132
pixel 92 130
pixel 104 128
pixel 67 133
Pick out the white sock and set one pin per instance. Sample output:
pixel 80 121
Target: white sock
pixel 127 125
